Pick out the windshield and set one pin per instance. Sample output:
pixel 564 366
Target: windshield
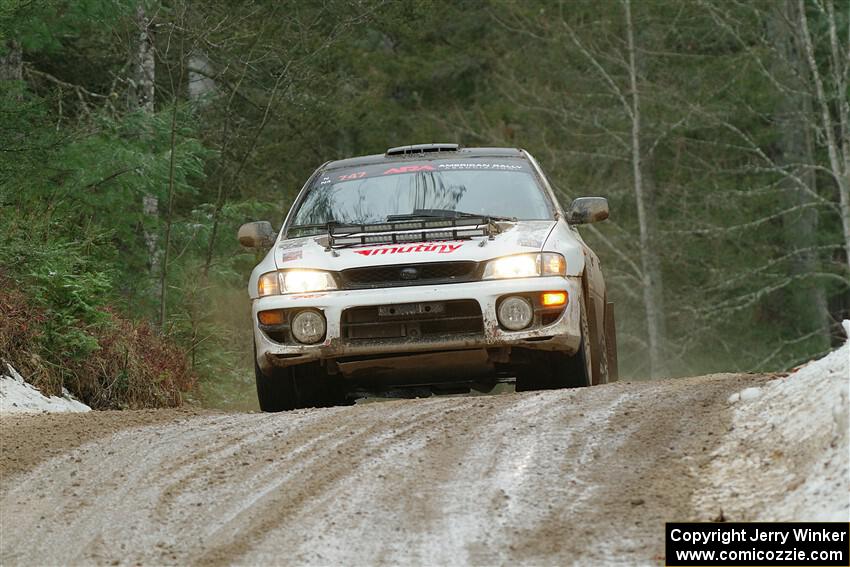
pixel 369 194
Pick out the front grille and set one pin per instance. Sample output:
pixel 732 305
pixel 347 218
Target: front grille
pixel 409 274
pixel 413 321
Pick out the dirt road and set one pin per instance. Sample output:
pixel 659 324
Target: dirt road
pixel 547 478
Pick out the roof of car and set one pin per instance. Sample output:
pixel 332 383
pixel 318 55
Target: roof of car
pixel 424 156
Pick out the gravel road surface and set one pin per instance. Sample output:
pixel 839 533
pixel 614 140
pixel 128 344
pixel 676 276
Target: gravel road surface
pixel 556 477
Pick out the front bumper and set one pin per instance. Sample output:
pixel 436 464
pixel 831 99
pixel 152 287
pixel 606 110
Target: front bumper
pixel 564 334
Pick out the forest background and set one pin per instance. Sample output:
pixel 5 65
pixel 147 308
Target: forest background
pixel 137 135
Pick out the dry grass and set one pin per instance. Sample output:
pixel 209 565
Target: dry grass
pixel 133 366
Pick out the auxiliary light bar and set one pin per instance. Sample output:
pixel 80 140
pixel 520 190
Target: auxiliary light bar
pixel 344 235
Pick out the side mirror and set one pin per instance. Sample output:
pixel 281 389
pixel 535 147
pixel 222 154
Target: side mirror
pixel 585 210
pixel 258 234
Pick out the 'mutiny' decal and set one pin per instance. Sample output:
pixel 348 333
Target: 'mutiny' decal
pixel 447 248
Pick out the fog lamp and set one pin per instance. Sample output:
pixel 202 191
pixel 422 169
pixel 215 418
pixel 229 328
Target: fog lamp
pixel 515 313
pixel 308 326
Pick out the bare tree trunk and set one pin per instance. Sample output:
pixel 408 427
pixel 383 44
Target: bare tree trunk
pixel 169 206
pixel 651 278
pixel 809 309
pixel 11 64
pixel 141 97
pixel 838 151
pixel 142 87
pixel 163 277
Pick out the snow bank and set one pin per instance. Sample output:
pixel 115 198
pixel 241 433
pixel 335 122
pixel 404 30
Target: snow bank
pixel 787 456
pixel 16 396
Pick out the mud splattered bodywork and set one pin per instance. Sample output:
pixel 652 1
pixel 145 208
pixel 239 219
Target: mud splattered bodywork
pixel 419 284
pixel 562 334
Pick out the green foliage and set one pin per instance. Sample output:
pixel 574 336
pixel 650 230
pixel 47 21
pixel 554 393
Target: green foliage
pixel 60 279
pixel 57 327
pixel 298 83
pixel 44 25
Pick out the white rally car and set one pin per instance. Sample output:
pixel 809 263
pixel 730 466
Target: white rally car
pixel 430 266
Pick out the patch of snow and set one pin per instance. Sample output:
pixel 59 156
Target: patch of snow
pixel 787 454
pixel 750 394
pixel 17 396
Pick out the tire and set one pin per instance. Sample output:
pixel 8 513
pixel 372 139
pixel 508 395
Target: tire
pixel 315 388
pixel 611 343
pixel 578 371
pixel 296 387
pixel 598 343
pixel 556 370
pixel 275 391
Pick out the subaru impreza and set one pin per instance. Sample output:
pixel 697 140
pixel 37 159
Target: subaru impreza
pixel 429 267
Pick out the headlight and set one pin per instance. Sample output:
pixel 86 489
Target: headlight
pixel 526 266
pixel 295 281
pixel 303 281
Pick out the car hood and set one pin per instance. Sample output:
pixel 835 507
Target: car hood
pixel 312 252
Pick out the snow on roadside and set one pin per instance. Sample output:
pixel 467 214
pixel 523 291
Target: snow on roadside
pixel 17 396
pixel 787 456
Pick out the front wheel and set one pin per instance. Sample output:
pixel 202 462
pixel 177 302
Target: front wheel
pixel 555 370
pixel 295 387
pixel 611 343
pixel 275 390
pixel 598 339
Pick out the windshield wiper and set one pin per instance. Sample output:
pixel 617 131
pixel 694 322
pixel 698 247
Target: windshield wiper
pixel 444 214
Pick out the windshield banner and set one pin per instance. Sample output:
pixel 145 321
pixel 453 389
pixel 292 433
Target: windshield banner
pixel 380 170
